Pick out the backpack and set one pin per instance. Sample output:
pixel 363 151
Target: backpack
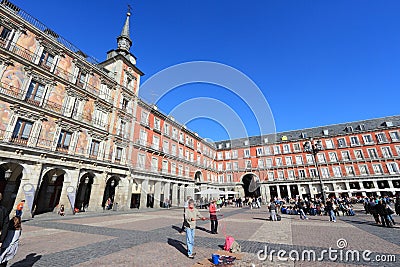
pixel 228 243
pixel 235 247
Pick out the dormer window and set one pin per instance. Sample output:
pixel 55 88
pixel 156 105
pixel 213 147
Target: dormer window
pixel 349 129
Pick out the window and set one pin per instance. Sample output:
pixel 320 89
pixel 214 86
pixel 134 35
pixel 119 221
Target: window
pixel 154 164
pixel 228 166
pixel 82 75
pixel 289 161
pixel 166 129
pixel 100 118
pixel 392 167
pixel 247 153
pixel 187 171
pixel 220 167
pixel 345 155
pixel 248 164
pixel 296 147
pixel 181 138
pixel 144 118
pixel 164 167
pixel 341 142
pixel 64 140
pixel 166 146
pixel 363 169
pixel 180 170
pixel 4 33
pixel 181 152
pixel 377 168
pixel 368 139
pixel 281 175
pixel 141 161
pixel 46 60
pixel 394 136
pixel 270 176
pixel 229 178
pixel 325 173
pixel 143 137
pixel 191 157
pixel 313 173
pixel 220 178
pixel 278 161
pixel 187 154
pixel 398 150
pixel 118 154
pixel 94 148
pixel 286 148
pixel 354 141
pixel 321 158
pixel 267 150
pixel 372 153
pixel 302 174
pixel 104 92
pixel 332 157
pixel 35 93
pixel 219 156
pixel 381 137
pixel 291 174
pixel 386 152
pixel 268 163
pixel 227 155
pixel 358 154
pixel 173 168
pixel 337 172
pixel 350 171
pixel 121 128
pixel 299 160
pixel 22 131
pixel 329 144
pixel 261 163
pixel 235 166
pixel 175 133
pixel 277 150
pixel 309 159
pixel 156 142
pixel 260 151
pixel 173 149
pixel 234 154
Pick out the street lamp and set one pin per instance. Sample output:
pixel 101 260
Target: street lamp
pixel 86 180
pixel 314 149
pixel 54 177
pixel 112 183
pixel 7 174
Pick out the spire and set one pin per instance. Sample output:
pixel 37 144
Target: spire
pixel 124 40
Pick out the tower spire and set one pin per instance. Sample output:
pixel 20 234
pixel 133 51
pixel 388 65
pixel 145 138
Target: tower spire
pixel 124 40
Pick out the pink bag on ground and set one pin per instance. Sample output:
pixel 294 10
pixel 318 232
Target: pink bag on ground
pixel 228 242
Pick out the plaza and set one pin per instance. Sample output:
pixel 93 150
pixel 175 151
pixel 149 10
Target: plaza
pixel 152 238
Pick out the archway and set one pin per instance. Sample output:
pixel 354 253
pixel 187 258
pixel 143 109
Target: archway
pixel 109 193
pixel 50 191
pixel 10 180
pixel 84 190
pixel 251 185
pixel 198 177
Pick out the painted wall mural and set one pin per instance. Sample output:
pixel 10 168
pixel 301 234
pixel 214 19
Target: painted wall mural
pixel 57 95
pixel 65 68
pixel 94 82
pixel 13 78
pixel 88 110
pixel 5 115
pixel 82 142
pixel 47 133
pixel 27 46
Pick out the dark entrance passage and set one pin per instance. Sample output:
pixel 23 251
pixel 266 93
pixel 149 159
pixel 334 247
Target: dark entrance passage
pixel 84 190
pixel 10 180
pixel 198 177
pixel 50 191
pixel 251 185
pixel 109 193
pixel 294 191
pixel 135 201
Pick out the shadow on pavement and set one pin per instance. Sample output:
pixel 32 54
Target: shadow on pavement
pixel 203 229
pixel 29 260
pixel 178 229
pixel 178 245
pixel 261 219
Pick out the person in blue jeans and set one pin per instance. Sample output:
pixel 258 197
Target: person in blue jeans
pixel 330 211
pixel 191 216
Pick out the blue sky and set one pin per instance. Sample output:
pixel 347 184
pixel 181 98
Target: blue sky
pixel 316 62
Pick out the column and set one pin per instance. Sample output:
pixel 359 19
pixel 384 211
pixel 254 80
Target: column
pixel 310 189
pixel 190 191
pixel 278 191
pixel 157 194
pixel 69 187
pixel 143 194
pixel 376 187
pixel 182 196
pixel 174 197
pixel 97 192
pixel 29 184
pixel 167 189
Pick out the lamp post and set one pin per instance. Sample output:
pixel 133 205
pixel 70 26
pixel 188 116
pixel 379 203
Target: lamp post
pixel 54 177
pixel 314 149
pixel 7 174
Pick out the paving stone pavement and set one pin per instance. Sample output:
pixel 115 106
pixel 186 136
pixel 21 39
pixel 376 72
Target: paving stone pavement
pixel 152 239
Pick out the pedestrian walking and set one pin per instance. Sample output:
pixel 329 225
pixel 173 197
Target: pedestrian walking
pixel 191 216
pixel 9 247
pixel 19 208
pixel 272 210
pixel 213 217
pixel 330 211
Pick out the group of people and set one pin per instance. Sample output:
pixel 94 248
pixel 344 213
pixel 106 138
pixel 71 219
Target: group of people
pixel 381 209
pixel 10 232
pixel 191 215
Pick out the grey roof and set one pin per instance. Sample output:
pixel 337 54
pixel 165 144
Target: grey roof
pixel 315 132
pixel 125 30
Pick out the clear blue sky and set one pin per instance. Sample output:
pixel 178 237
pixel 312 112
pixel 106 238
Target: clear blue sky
pixel 316 62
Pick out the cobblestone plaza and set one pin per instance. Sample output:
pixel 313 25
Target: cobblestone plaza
pixel 152 238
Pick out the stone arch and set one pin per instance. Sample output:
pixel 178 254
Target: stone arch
pixel 84 191
pixel 251 184
pixel 50 189
pixel 198 177
pixel 109 192
pixel 11 174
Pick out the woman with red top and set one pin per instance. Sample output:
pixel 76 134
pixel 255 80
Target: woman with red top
pixel 213 217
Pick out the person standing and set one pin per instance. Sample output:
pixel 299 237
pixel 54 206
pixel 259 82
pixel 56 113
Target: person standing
pixel 272 210
pixel 330 211
pixel 213 217
pixel 191 216
pixel 4 220
pixel 185 206
pixel 19 209
pixel 10 244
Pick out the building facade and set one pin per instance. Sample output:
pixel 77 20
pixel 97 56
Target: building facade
pixel 73 130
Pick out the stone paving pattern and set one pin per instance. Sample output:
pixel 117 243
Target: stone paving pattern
pixel 151 238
